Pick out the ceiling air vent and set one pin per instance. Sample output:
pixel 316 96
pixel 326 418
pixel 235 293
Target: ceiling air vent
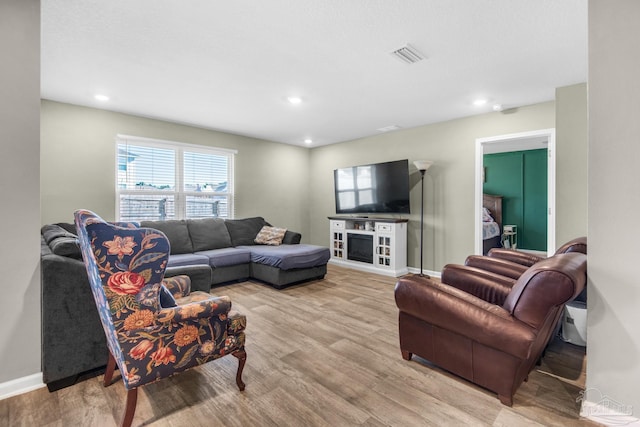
pixel 408 54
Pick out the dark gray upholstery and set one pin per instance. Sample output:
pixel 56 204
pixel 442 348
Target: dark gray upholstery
pixel 233 273
pixel 60 241
pixel 208 233
pixel 176 231
pixel 291 238
pixel 244 231
pixel 227 256
pixel 289 257
pixel 279 278
pixel 187 259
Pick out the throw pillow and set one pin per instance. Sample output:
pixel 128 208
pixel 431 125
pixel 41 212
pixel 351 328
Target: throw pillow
pixel 486 215
pixel 270 236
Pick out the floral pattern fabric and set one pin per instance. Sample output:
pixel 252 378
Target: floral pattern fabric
pixel 148 341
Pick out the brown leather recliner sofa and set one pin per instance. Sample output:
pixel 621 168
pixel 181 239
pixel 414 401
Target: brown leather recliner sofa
pixel 490 340
pixel 512 263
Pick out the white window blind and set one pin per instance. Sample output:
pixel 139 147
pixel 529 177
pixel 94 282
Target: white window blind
pixel 169 180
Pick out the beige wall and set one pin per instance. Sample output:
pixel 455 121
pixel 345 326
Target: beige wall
pixel 449 183
pixel 78 165
pixel 19 188
pixel 613 315
pixel 572 170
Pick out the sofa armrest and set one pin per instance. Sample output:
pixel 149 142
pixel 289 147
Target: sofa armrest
pixel 291 238
pixel 499 266
pixel 515 256
pixel 454 310
pixel 490 287
pixel 200 275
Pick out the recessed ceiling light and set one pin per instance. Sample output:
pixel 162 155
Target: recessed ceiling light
pixel 294 99
pixel 480 102
pixel 497 107
pixel 101 97
pixel 308 141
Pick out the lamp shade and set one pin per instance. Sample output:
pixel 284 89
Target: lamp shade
pixel 423 165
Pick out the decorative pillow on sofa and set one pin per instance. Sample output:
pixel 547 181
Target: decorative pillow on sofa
pixel 270 236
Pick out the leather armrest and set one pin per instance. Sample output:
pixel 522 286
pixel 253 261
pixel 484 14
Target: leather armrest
pixel 496 265
pixel 454 310
pixel 515 256
pixel 488 286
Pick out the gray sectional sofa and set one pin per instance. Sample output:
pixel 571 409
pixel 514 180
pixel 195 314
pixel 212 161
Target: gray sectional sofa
pixel 210 251
pixel 228 247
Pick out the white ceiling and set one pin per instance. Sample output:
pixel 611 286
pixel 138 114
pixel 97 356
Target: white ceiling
pixel 230 65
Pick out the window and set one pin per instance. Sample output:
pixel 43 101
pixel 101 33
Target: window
pixel 169 180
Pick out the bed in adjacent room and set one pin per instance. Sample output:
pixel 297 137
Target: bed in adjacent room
pixel 491 222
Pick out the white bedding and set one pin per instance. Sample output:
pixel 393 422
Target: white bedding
pixel 490 229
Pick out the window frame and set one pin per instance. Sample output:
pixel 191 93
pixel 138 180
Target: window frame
pixel 179 193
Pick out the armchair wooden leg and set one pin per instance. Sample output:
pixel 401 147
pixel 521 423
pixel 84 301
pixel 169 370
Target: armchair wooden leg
pixel 108 373
pixel 242 358
pixel 130 410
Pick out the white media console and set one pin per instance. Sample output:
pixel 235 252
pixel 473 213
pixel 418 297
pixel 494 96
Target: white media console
pixel 377 245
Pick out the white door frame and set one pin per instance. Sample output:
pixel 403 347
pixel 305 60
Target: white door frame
pixel 550 135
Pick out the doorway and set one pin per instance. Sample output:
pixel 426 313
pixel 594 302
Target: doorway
pixel 509 143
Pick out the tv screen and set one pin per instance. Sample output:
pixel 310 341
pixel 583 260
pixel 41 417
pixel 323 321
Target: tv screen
pixel 375 188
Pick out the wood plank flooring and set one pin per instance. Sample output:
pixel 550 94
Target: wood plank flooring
pixel 324 353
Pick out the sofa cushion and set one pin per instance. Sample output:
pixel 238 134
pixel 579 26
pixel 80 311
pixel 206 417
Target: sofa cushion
pixel 54 231
pixel 208 233
pixel 288 257
pixel 270 236
pixel 69 226
pixel 244 231
pixel 177 233
pixel 60 241
pixel 66 246
pixel 187 259
pixel 226 257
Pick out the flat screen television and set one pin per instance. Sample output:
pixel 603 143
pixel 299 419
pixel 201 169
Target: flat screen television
pixel 375 188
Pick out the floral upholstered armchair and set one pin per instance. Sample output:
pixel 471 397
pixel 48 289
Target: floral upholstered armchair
pixel 155 327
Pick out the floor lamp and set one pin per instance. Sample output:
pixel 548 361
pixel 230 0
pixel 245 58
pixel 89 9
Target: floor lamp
pixel 422 166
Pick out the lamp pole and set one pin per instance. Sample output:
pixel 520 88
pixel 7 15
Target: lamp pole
pixel 422 166
pixel 422 171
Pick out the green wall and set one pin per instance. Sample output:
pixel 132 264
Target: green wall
pixel 78 165
pixel 521 178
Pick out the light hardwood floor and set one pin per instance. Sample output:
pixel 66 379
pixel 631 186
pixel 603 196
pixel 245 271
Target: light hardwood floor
pixel 324 353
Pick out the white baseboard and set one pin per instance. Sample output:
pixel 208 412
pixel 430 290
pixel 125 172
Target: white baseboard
pixel 21 385
pixel 608 413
